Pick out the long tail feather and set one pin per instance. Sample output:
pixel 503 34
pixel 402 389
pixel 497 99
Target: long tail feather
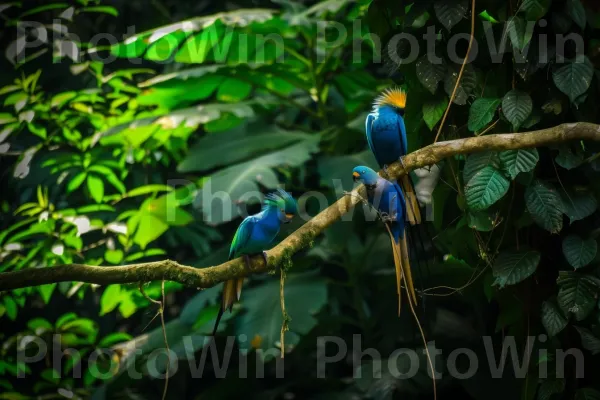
pixel 398 267
pixel 231 292
pixel 407 183
pixel 413 211
pixel 407 270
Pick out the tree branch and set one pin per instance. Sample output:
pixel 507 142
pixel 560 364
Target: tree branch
pixel 301 238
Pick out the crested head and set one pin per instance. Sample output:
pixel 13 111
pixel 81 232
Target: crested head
pixel 366 175
pixel 393 97
pixel 284 202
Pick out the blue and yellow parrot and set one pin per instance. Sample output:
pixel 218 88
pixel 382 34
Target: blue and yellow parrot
pixel 255 235
pixel 388 199
pixel 386 135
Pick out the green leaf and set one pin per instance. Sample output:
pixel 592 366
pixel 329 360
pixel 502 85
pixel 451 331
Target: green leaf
pixel 434 110
pixel 535 9
pixel 305 295
pixel 577 294
pixel 101 9
pixel 76 182
pixel 466 86
pixel 147 189
pixel 47 7
pixel 233 90
pixel 544 205
pixel 553 319
pixel 450 12
pixel 430 74
pixel 512 267
pixel 46 291
pixel 591 343
pixel 567 159
pixel 113 256
pixel 11 307
pixel 114 338
pixel 574 77
pixel 549 387
pixel 149 229
pixel 96 187
pixel 577 12
pixel 579 204
pixel 517 161
pixel 481 113
pixel 241 179
pixel 477 161
pixel 39 326
pixel 519 32
pixel 241 145
pixel 111 297
pixel 516 106
pixel 480 220
pixel 485 188
pixel 579 252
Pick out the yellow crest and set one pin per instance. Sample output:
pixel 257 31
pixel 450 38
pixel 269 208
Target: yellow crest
pixel 395 97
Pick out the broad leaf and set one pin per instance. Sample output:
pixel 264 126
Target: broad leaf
pixel 591 343
pixel 434 110
pixel 305 294
pixel 517 161
pixel 466 86
pixel 485 188
pixel 481 113
pixel 236 145
pixel 579 252
pixel 545 206
pixel 516 106
pixel 430 74
pixel 550 387
pixel 577 294
pixel 567 159
pixel 240 182
pixel 333 169
pixel 579 204
pixel 535 9
pixel 577 12
pixel 477 161
pixel 450 12
pixel 512 267
pixel 519 31
pixel 573 77
pixel 553 318
pixel 96 187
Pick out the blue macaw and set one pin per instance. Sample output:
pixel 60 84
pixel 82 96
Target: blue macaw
pixel 254 235
pixel 386 135
pixel 388 199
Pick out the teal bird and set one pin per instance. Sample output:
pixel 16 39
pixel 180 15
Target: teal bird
pixel 255 235
pixel 386 136
pixel 388 199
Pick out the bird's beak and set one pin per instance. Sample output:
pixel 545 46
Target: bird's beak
pixel 355 176
pixel 288 218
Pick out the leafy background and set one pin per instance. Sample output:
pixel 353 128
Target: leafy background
pixel 107 149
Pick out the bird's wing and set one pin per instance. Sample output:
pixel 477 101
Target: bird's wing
pixel 368 130
pixel 402 201
pixel 242 235
pixel 402 133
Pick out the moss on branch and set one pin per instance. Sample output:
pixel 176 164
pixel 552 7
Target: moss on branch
pixel 302 237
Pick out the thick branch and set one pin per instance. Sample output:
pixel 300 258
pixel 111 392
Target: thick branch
pixel 207 277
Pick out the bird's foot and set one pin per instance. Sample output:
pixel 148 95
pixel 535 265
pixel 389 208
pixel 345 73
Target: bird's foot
pixel 385 217
pixel 264 256
pixel 401 161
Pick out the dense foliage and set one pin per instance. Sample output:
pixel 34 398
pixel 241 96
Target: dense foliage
pixel 112 154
